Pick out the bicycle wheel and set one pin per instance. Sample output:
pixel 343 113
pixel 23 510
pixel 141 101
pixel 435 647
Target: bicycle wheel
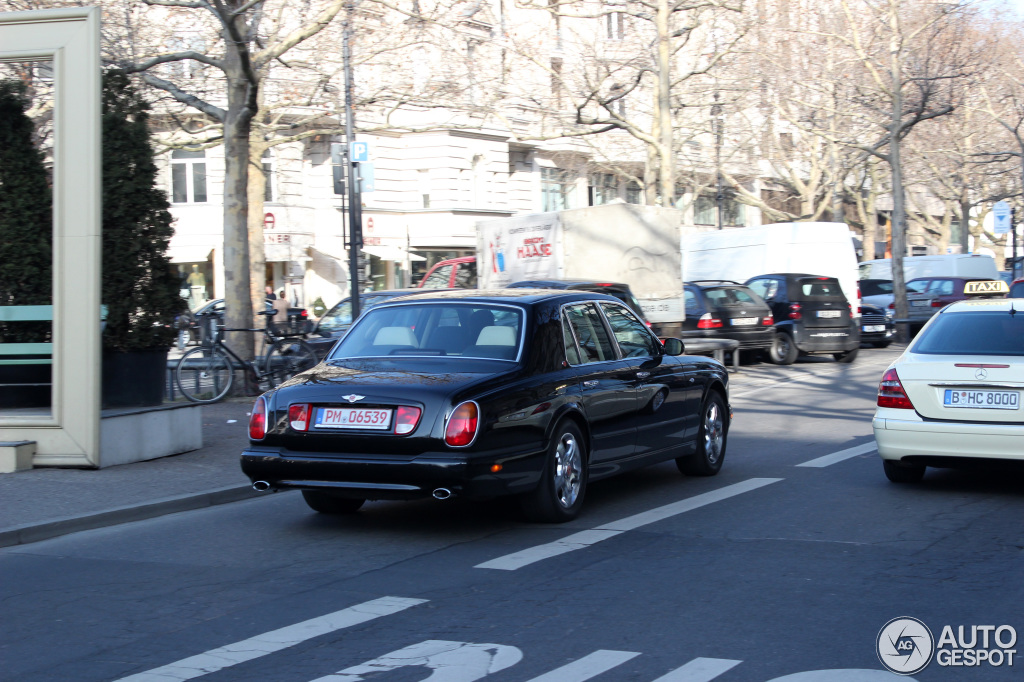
pixel 288 357
pixel 204 374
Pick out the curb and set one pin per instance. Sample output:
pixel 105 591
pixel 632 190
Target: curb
pixel 36 532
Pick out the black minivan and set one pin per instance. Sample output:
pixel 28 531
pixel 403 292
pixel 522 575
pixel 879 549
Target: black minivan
pixel 812 316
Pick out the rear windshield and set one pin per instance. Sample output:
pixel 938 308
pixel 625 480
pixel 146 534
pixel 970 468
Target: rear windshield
pixel 1017 290
pixel 875 288
pixel 732 296
pixel 973 333
pixel 435 329
pixel 820 288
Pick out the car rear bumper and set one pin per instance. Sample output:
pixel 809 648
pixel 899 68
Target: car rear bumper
pixel 827 339
pixel 394 478
pixel 911 436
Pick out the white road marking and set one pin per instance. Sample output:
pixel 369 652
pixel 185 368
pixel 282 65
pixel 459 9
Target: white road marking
pixel 449 661
pixel 589 666
pixel 270 642
pixel 516 560
pixel 841 455
pixel 700 670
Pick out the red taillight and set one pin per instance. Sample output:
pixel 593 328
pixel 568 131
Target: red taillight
pixel 258 419
pixel 937 303
pixel 768 321
pixel 406 419
pixel 304 313
pixel 891 393
pixel 604 284
pixel 647 323
pixel 794 311
pixel 892 306
pixel 707 321
pixel 298 416
pixel 461 429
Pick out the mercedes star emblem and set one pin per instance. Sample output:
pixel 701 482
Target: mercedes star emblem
pixel 981 374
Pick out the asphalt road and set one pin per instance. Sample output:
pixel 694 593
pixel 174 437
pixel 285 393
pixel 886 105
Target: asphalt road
pixel 790 561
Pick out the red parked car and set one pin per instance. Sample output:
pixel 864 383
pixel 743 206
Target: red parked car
pixel 454 273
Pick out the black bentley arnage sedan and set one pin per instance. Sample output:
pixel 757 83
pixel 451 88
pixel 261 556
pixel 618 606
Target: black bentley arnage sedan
pixel 485 393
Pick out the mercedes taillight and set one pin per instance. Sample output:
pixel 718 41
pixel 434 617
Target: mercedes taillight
pixel 891 393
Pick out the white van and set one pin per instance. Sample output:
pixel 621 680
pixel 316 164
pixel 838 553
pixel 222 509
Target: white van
pixel 737 254
pixel 949 265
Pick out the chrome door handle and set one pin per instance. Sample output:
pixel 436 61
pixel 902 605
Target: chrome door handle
pixel 589 384
pixel 642 375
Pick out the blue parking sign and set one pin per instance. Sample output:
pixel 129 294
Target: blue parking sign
pixel 360 152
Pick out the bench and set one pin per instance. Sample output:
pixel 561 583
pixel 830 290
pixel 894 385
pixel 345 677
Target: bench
pixel 717 348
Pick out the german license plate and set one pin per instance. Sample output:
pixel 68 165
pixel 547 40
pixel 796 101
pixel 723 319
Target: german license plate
pixel 352 418
pixel 983 400
pixel 868 328
pixel 829 313
pixel 919 303
pixel 744 321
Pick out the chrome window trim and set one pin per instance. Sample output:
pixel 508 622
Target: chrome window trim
pixel 629 312
pixel 615 345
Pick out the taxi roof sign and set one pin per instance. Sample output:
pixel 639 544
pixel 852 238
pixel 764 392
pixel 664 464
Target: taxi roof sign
pixel 995 287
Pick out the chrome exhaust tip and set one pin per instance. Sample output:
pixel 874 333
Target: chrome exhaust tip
pixel 260 486
pixel 442 494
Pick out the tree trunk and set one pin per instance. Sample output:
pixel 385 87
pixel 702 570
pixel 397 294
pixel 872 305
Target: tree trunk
pixel 666 165
pixel 238 304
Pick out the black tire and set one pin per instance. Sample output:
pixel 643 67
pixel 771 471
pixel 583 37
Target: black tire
pixel 563 483
pixel 783 350
pixel 204 375
pixel 326 503
pixel 287 357
pixel 901 472
pixel 711 440
pixel 847 357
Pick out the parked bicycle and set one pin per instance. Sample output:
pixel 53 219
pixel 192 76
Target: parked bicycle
pixel 205 374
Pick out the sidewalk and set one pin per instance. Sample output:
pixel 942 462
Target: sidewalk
pixel 44 503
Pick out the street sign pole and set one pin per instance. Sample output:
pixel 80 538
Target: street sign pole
pixel 355 224
pixel 1013 241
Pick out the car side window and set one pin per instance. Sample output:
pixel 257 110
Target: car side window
pixel 690 301
pixel 917 286
pixel 572 353
pixel 439 278
pixel 632 335
pixel 594 342
pixel 465 276
pixel 765 288
pixel 336 318
pixel 941 287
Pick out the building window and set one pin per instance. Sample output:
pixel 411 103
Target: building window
pixel 557 188
pixel 604 187
pixel 634 195
pixel 615 22
pixel 188 176
pixel 704 210
pixel 268 176
pixel 556 80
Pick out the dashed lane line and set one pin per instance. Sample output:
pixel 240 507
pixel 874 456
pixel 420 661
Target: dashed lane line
pixel 848 453
pixel 700 670
pixel 271 642
pixel 586 538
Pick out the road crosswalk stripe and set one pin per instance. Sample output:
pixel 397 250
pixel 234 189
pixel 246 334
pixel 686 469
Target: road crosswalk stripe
pixel 270 642
pixel 586 538
pixel 848 453
pixel 589 666
pixel 700 670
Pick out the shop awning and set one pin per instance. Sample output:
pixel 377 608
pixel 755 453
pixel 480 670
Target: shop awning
pixel 395 253
pixel 189 254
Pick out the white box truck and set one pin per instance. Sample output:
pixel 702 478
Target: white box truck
pixel 625 243
pixel 737 254
pixel 947 265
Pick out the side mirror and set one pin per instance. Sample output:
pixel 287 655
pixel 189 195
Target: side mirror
pixel 673 346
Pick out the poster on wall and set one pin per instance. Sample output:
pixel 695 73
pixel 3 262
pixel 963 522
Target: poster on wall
pixel 515 249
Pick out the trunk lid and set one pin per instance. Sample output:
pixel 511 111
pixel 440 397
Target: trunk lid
pixel 953 387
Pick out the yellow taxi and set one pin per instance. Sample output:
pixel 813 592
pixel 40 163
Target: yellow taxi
pixel 956 392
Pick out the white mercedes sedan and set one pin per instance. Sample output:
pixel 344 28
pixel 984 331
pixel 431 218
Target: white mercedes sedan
pixel 955 395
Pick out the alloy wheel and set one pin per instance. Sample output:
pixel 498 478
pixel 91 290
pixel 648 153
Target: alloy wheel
pixel 713 432
pixel 568 467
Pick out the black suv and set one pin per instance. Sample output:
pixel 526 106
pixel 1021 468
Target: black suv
pixel 616 289
pixel 811 316
pixel 721 309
